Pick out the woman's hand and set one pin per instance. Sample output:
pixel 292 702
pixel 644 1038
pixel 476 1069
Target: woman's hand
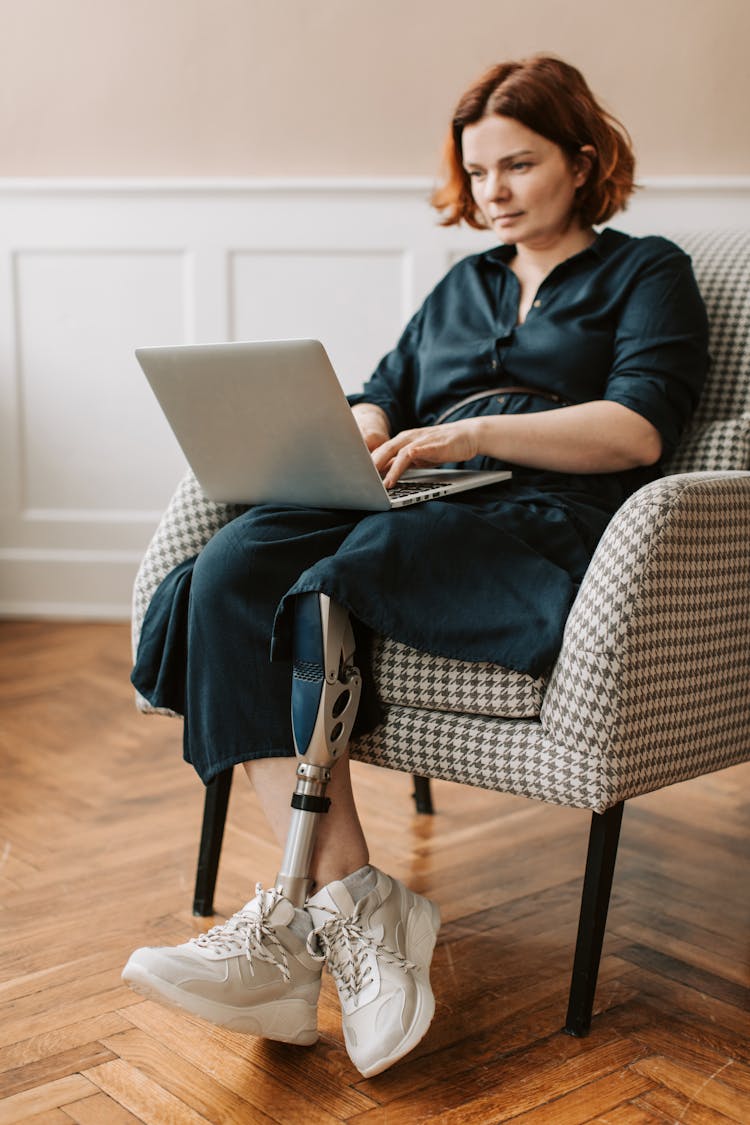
pixel 372 423
pixel 426 447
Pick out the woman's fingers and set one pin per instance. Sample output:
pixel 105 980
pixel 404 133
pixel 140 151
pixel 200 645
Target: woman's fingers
pixel 423 448
pixel 406 458
pixel 395 454
pixel 388 450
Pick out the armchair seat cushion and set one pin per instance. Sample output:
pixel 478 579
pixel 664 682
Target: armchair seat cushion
pixel 406 677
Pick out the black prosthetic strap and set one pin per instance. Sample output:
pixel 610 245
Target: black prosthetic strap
pixel 309 803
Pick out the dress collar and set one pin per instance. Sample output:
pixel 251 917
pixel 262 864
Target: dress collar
pixel 605 243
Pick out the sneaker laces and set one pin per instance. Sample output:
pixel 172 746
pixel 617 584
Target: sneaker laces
pixel 344 943
pixel 249 933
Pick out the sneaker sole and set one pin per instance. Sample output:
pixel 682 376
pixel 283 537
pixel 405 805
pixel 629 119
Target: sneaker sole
pixel 421 934
pixel 285 1021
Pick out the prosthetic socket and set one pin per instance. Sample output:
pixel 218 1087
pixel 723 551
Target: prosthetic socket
pixel 325 696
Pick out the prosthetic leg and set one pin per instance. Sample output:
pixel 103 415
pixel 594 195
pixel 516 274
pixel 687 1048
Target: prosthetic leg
pixel 326 687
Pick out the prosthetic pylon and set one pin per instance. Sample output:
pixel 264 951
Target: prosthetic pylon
pixel 326 687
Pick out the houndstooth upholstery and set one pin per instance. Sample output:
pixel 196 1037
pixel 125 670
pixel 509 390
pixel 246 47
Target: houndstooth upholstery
pixel 414 679
pixel 719 437
pixel 720 261
pixel 652 685
pixel 714 445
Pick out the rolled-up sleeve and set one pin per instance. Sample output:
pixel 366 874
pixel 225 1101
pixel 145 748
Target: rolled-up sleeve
pixel 391 386
pixel 660 345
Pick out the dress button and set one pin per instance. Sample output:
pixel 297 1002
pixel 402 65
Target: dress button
pixel 537 304
pixel 495 365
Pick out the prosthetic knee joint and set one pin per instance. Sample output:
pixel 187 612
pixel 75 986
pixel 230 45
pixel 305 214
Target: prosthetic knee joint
pixel 326 687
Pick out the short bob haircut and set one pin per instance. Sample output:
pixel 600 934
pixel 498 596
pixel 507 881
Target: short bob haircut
pixel 551 98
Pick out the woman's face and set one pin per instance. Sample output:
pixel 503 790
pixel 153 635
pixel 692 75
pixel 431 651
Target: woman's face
pixel 523 184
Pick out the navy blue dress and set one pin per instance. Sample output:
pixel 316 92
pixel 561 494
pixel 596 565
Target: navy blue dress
pixel 487 575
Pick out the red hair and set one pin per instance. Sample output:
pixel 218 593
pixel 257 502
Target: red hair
pixel 551 98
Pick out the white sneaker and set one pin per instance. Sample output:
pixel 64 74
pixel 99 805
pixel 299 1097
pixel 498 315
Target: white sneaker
pixel 379 952
pixel 252 974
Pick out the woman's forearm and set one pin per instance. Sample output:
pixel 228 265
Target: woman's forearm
pixel 595 437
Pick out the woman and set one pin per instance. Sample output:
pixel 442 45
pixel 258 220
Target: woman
pixel 573 356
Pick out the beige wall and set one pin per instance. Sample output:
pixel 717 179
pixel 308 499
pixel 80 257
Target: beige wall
pixel 346 87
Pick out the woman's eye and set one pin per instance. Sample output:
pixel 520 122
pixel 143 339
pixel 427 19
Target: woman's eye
pixel 520 166
pixel 475 174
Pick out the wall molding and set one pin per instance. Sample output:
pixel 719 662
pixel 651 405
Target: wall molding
pixel 336 184
pixel 92 268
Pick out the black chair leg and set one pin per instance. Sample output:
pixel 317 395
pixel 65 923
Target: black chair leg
pixel 212 834
pixel 422 794
pixel 597 885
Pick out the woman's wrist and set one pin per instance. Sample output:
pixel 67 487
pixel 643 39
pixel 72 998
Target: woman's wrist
pixel 483 435
pixel 369 408
pixel 374 417
pixel 372 423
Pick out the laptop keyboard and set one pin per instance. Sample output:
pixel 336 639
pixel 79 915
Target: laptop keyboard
pixel 408 488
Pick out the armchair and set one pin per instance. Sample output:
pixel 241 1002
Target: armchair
pixel 652 684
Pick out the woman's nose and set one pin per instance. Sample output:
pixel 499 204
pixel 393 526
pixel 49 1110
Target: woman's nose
pixel 497 186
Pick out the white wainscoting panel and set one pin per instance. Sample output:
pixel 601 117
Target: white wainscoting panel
pixel 91 269
pixel 85 414
pixel 293 294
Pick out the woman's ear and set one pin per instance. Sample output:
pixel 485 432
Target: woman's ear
pixel 583 162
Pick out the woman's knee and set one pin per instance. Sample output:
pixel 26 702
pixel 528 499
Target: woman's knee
pixel 217 564
pixel 246 556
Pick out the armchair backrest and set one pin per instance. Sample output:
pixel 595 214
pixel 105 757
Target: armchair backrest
pixel 719 435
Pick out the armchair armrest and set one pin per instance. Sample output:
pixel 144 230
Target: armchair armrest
pixel 654 672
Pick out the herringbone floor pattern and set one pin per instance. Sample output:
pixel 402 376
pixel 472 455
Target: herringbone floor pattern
pixel 100 822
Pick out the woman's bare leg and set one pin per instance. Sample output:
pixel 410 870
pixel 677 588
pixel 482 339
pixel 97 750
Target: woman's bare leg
pixel 340 845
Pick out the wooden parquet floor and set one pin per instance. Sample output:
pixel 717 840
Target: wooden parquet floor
pixel 99 827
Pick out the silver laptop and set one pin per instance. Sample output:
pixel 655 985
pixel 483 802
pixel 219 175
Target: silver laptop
pixel 268 422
